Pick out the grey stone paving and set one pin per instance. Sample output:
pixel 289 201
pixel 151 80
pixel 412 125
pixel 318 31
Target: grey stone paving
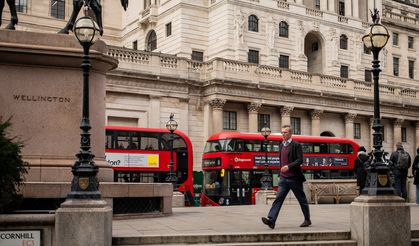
pixel 240 219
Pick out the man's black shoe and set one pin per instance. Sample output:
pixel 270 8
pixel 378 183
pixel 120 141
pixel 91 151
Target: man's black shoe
pixel 306 223
pixel 268 222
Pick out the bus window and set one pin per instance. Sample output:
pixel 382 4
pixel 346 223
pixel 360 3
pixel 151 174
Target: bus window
pixel 307 148
pixel 239 146
pixel 213 146
pixel 253 146
pixel 214 184
pixel 122 140
pixel 273 146
pixel 320 148
pixel 149 141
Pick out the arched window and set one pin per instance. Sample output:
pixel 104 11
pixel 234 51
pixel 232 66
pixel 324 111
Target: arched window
pixel 151 41
pixel 253 23
pixel 283 29
pixel 343 42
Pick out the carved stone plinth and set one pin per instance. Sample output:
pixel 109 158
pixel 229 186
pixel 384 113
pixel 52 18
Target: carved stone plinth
pixel 380 220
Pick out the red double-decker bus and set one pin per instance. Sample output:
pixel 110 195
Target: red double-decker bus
pixel 143 155
pixel 233 163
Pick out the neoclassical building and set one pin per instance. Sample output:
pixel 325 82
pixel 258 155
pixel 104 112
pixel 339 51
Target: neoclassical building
pixel 234 64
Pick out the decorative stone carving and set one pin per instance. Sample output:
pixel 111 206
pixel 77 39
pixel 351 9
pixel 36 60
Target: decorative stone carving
pixel 254 107
pixel 315 114
pixel 217 103
pixel 239 27
pixel 398 122
pixel 350 117
pixel 286 110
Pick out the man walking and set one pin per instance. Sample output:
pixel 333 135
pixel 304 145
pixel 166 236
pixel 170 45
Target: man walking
pixel 401 163
pixel 291 178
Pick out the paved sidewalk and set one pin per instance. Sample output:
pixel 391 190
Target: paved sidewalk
pixel 240 219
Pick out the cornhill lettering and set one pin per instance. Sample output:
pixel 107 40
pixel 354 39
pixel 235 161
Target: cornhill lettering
pixel 28 98
pixel 11 235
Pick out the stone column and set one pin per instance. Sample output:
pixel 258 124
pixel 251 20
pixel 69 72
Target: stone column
pixel 253 109
pixel 286 115
pixel 355 8
pixel 397 131
pixel 154 116
pixel 348 8
pixel 217 114
pixel 417 135
pixel 349 125
pixel 315 122
pixel 323 5
pixel 332 7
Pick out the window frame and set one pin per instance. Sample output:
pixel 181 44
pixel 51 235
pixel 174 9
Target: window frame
pixel 344 71
pixel 197 55
pixel 168 29
pixel 229 120
pixel 283 29
pixel 284 61
pixel 396 66
pixel 253 23
pixel 395 39
pixel 357 130
pixel 58 11
pixel 296 125
pixel 251 54
pixel 367 75
pixel 151 40
pixel 411 68
pixel 343 42
pixel 403 134
pixel 410 42
pixel 261 121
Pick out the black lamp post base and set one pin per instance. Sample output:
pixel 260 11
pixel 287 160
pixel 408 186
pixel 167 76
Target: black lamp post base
pixel 378 183
pixel 84 188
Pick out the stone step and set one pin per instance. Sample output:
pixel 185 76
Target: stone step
pixel 304 243
pixel 239 238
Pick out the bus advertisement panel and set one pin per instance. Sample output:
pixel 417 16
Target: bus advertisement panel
pixel 233 163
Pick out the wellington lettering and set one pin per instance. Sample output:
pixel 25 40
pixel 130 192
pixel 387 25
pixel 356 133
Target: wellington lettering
pixel 28 98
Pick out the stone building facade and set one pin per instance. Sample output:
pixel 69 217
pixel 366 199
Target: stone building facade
pixel 231 65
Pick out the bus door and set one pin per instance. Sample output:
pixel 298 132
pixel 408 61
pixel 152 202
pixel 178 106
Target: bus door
pixel 240 190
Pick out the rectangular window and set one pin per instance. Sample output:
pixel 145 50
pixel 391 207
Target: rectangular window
pixel 404 134
pixel 395 38
pixel 367 75
pixel 284 61
pixel 264 120
pixel 411 69
pixel 253 56
pixel 229 120
pixel 168 29
pixel 197 56
pixel 135 45
pixel 344 71
pixel 342 7
pixel 410 42
pixel 58 9
pixel 357 130
pixel 296 125
pixel 366 50
pixel 21 5
pixel 317 4
pixel 395 66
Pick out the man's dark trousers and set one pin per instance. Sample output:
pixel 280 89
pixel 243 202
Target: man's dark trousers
pixel 284 186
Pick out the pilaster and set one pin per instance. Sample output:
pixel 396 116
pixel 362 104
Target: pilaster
pixel 217 114
pixel 315 122
pixel 349 125
pixel 253 110
pixel 286 115
pixel 397 130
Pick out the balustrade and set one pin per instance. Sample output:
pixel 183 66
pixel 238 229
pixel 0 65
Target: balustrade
pixel 224 69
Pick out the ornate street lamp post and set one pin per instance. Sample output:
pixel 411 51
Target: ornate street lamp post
pixel 85 184
pixel 171 125
pixel 378 182
pixel 266 179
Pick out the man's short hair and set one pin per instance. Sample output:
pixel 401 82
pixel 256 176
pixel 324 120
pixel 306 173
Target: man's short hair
pixel 289 127
pixel 399 145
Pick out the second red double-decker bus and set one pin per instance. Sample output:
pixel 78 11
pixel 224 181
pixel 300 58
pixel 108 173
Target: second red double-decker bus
pixel 233 163
pixel 143 155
